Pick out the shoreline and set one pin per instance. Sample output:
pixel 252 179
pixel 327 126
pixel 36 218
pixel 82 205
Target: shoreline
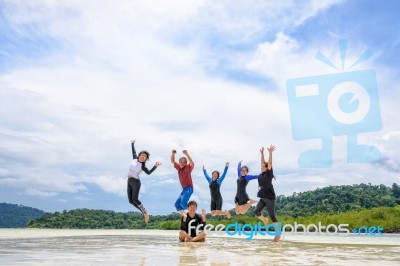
pixel 389 239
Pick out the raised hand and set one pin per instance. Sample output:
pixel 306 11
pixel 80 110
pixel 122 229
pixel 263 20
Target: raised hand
pixel 203 213
pixel 271 148
pixel 158 164
pixel 227 164
pixel 133 140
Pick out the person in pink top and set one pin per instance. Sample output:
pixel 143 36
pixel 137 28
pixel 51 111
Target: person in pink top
pixel 185 178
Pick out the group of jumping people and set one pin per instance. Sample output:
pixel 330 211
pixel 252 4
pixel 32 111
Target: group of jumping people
pixel 184 168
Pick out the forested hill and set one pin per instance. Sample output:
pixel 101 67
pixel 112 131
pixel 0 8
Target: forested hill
pixel 323 202
pixel 336 199
pixel 15 216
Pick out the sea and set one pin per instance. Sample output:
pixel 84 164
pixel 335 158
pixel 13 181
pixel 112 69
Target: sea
pixel 162 247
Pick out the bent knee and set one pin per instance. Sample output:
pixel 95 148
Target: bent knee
pixel 258 214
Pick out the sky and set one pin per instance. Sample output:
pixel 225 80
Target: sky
pixel 80 79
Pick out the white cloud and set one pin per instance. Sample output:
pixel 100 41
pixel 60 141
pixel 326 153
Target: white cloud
pixel 40 193
pixel 109 184
pixel 107 73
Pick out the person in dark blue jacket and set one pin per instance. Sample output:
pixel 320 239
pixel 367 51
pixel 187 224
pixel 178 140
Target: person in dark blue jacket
pixel 215 185
pixel 242 200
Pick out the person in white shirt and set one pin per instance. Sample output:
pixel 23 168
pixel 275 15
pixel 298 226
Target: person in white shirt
pixel 135 168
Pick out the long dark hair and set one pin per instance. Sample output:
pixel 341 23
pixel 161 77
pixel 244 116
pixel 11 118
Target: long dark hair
pixel 147 154
pixel 266 166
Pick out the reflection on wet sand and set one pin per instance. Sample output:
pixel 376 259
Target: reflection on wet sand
pixel 188 253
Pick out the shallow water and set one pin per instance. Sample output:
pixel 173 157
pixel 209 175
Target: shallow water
pixel 158 247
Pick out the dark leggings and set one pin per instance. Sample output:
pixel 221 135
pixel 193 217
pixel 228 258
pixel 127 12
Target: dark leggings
pixel 133 193
pixel 270 204
pixel 216 205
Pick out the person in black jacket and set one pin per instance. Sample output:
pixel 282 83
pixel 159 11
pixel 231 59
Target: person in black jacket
pixel 266 191
pixel 190 222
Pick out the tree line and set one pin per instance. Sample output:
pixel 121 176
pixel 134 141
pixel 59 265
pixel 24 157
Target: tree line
pixel 355 205
pixel 336 199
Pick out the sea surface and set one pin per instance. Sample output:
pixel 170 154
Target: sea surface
pixel 161 247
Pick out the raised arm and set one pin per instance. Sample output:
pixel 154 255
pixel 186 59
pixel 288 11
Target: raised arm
pixel 209 179
pixel 173 156
pixel 271 149
pixel 133 149
pixel 239 168
pixel 262 156
pixel 191 163
pixel 203 216
pixel 223 174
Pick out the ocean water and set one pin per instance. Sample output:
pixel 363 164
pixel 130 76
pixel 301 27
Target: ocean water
pixel 160 247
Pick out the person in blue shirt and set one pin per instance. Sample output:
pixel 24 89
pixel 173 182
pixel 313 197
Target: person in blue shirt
pixel 216 197
pixel 242 200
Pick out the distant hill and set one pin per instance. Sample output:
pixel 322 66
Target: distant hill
pixel 16 216
pixel 337 199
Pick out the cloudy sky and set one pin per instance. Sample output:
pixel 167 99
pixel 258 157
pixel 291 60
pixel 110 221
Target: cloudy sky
pixel 80 79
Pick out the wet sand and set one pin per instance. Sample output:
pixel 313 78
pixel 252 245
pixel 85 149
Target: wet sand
pixel 159 247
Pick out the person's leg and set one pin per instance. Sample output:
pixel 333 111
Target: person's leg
pixel 271 212
pixel 133 192
pixel 228 214
pixel 237 209
pixel 213 207
pixel 271 209
pixel 178 203
pixel 186 193
pixel 241 202
pixel 129 192
pixel 178 206
pixel 247 206
pixel 135 185
pixel 217 209
pixel 182 235
pixel 201 237
pixel 257 212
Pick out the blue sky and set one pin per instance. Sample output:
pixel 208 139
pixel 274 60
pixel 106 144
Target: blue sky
pixel 80 79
